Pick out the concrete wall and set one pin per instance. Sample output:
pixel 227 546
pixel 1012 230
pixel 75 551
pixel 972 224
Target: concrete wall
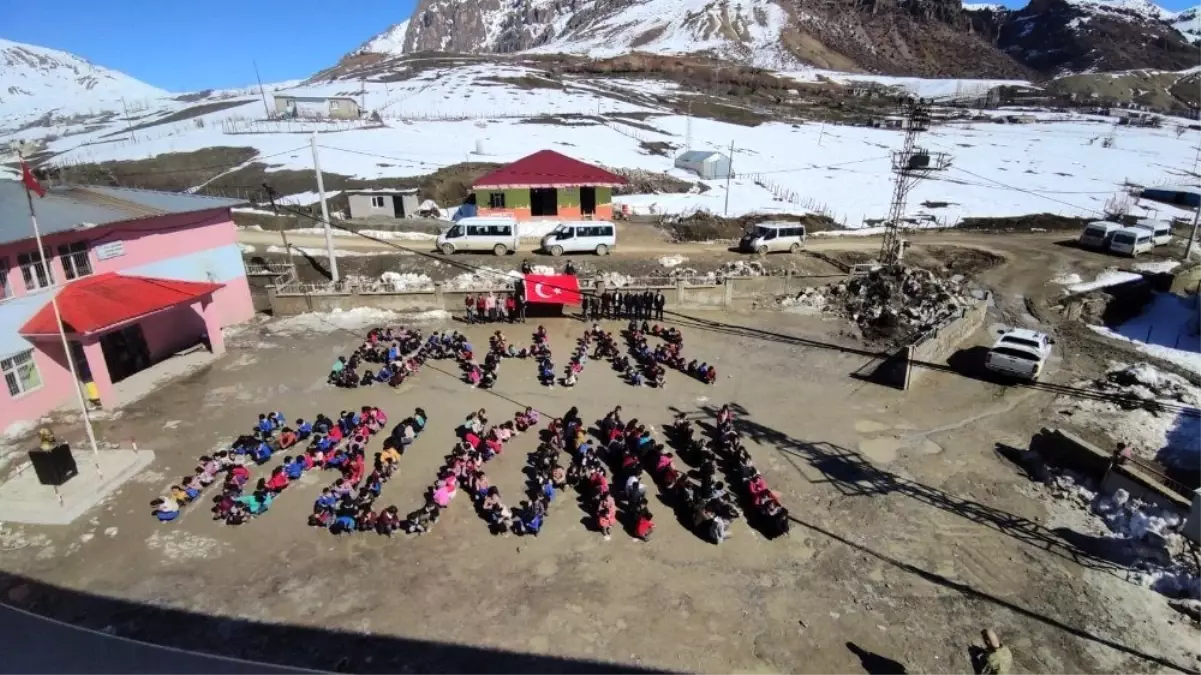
pixel 937 345
pixel 677 296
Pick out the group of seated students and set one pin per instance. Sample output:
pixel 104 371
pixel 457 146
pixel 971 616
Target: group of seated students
pixel 398 353
pixel 478 443
pixel 762 504
pixel 647 366
pixel 484 376
pixel 625 447
pixel 348 504
pixel 575 365
pixel 236 504
pixel 260 443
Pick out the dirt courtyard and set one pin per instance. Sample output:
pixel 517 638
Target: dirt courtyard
pixel 911 532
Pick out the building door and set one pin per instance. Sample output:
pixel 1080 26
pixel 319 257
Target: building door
pixel 544 202
pixel 125 352
pixel 587 200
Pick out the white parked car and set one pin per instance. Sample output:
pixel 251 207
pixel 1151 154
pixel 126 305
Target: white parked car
pixel 1020 353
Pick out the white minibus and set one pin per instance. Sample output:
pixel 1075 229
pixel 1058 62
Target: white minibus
pixel 485 233
pixel 596 236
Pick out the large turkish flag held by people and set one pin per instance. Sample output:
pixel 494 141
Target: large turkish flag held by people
pixel 552 289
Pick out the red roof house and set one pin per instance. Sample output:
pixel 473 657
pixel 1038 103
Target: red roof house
pixel 547 185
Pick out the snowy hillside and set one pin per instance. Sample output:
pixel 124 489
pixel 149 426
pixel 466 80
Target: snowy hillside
pixel 748 30
pixel 391 41
pixel 485 112
pixel 1188 22
pixel 36 78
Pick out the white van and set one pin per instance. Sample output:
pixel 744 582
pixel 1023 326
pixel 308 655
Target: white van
pixel 1097 234
pixel 1131 241
pixel 773 236
pixel 497 234
pixel 1161 230
pixel 597 236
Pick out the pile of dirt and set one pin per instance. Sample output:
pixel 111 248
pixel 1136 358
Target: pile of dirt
pixel 1036 222
pixel 889 302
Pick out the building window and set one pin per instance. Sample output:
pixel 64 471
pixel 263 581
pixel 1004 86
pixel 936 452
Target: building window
pixel 21 373
pixel 496 200
pixel 75 259
pixel 4 292
pixel 35 271
pixel 377 202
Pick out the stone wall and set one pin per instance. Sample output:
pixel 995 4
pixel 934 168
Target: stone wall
pixel 937 345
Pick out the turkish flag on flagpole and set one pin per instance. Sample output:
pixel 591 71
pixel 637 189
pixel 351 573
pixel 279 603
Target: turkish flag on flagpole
pixel 30 182
pixel 552 289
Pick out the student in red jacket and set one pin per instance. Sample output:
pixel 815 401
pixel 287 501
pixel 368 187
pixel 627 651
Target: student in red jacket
pixel 278 480
pixel 645 525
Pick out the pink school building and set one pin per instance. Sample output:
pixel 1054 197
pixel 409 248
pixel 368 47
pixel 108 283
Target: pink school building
pixel 139 275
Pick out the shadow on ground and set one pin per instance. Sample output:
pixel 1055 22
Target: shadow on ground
pixel 34 645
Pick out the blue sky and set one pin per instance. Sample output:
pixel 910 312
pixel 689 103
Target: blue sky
pixel 184 46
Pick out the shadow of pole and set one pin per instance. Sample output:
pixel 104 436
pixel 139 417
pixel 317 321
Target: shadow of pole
pixel 968 591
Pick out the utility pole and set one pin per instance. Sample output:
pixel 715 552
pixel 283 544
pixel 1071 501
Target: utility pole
pixel 729 175
pixel 266 108
pixel 1192 238
pixel 329 236
pixel 688 129
pixel 910 165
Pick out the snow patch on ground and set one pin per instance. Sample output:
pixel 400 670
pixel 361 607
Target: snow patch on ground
pixel 485 278
pixel 1156 266
pixel 1067 279
pixel 1166 436
pixel 672 260
pixel 1165 330
pixel 338 253
pixel 377 234
pixel 406 281
pixel 1110 277
pixel 336 320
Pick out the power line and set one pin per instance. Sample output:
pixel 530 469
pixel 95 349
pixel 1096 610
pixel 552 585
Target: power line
pixel 1026 191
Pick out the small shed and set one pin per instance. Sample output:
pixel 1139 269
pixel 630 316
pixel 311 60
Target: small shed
pixel 707 164
pixel 383 203
pixel 332 107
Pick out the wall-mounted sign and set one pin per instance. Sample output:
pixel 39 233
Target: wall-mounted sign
pixel 112 249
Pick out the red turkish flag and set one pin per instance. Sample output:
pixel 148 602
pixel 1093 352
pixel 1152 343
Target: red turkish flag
pixel 30 182
pixel 552 289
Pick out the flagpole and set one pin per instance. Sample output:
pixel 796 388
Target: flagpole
pixel 62 334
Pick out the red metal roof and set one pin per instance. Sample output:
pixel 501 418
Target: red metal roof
pixel 547 168
pixel 94 303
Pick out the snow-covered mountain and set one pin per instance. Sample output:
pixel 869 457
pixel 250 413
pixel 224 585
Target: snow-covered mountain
pixel 36 78
pixel 936 37
pixel 1188 22
pixel 391 41
pixel 1079 36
